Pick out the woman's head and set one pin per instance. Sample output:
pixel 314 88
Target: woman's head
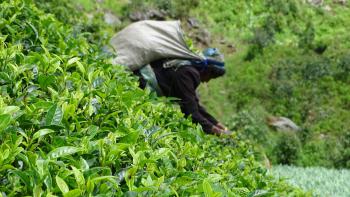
pixel 211 72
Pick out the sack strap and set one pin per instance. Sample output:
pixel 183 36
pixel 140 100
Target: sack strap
pixel 201 64
pixel 204 63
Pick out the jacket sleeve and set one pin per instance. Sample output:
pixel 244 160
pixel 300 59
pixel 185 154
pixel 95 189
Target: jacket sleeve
pixel 207 115
pixel 186 85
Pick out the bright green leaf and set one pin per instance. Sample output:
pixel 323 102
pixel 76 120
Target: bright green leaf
pixel 10 110
pixel 42 132
pixel 62 185
pixel 73 193
pixel 54 116
pixel 37 191
pixel 79 177
pixel 73 60
pixel 62 151
pixel 5 120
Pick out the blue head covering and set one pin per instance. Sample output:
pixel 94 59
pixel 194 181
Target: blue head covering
pixel 212 57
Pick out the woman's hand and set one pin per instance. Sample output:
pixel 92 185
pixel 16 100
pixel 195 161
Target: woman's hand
pixel 221 126
pixel 216 130
pixel 220 130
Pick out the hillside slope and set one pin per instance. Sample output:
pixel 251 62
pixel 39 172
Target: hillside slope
pixel 291 60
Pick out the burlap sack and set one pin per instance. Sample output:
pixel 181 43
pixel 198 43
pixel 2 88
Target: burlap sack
pixel 143 42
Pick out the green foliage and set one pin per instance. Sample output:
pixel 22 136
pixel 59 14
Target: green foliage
pixel 72 124
pixel 287 148
pixel 179 9
pixel 322 181
pixel 296 69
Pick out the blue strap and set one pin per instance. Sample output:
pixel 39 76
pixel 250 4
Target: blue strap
pixel 214 62
pixel 204 63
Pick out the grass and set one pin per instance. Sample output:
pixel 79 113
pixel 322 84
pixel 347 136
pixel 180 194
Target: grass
pixel 321 181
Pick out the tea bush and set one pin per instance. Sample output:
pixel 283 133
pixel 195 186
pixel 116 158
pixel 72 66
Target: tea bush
pixel 322 181
pixel 71 124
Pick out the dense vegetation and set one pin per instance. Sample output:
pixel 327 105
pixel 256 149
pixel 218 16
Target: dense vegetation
pixel 329 182
pixel 72 124
pixel 285 58
pixel 291 60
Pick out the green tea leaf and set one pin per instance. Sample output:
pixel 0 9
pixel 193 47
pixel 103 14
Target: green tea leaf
pixel 79 177
pixel 81 67
pixel 90 186
pixel 34 29
pixel 42 132
pixel 62 151
pixel 84 164
pixel 37 191
pixel 45 81
pixel 73 193
pixel 54 116
pixel 130 138
pixel 4 78
pixel 43 105
pixel 259 193
pixel 62 185
pixel 241 191
pixel 10 110
pixel 5 120
pixel 50 195
pixel 73 60
pixel 207 188
pixel 101 178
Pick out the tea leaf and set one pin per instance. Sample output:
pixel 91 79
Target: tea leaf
pixel 10 110
pixel 5 120
pixel 79 177
pixel 62 151
pixel 62 185
pixel 54 116
pixel 81 67
pixel 73 193
pixel 34 29
pixel 37 191
pixel 207 188
pixel 42 132
pixel 73 60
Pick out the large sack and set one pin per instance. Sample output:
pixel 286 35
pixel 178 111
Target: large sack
pixel 143 42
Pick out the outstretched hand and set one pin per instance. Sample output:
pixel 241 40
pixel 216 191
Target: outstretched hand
pixel 221 126
pixel 219 129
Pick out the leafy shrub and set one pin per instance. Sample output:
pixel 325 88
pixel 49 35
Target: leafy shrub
pixel 286 8
pixel 287 148
pixel 346 151
pixel 250 124
pixel 344 63
pixel 316 69
pixel 175 9
pixel 344 68
pixel 307 37
pixel 262 38
pixel 322 151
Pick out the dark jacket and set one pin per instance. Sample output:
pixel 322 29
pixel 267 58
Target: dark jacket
pixel 182 83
